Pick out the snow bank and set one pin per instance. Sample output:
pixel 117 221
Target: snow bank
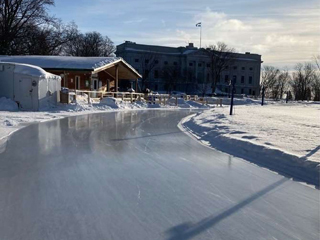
pixel 8 105
pixel 185 104
pixel 112 102
pixel 283 138
pixel 236 101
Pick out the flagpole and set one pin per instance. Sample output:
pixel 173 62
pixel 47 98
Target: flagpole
pixel 200 34
pixel 200 25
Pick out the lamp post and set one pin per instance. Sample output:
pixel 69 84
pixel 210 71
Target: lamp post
pixel 232 95
pixel 263 91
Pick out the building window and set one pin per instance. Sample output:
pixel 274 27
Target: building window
pixel 234 78
pixel 242 79
pixel 249 91
pixel 136 60
pixel 226 78
pixel 250 80
pixel 235 67
pixel 208 65
pixel 175 63
pixel 156 61
pixel 156 87
pixel 146 61
pixel 190 64
pixel 175 73
pixel 165 62
pixel 156 74
pixel 199 65
pixel 227 67
pixel 242 91
pixel 243 68
pixel 251 69
pixel 253 93
pixel 146 72
pixel 137 69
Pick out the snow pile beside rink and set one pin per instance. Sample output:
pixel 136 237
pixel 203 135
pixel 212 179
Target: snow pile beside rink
pixel 281 137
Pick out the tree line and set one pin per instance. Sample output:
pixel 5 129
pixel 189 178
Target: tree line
pixel 26 28
pixel 303 83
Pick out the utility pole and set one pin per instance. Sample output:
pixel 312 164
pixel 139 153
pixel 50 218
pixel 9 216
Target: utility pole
pixel 232 95
pixel 263 90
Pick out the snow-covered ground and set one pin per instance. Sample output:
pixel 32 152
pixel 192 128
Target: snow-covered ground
pixel 11 119
pixel 276 132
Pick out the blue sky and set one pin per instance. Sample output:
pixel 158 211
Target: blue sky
pixel 284 32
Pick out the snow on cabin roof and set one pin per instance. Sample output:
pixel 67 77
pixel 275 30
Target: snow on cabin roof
pixel 62 62
pixel 31 70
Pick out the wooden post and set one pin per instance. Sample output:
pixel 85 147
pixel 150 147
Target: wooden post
pixel 131 98
pixel 164 100
pixel 136 85
pixel 117 78
pixel 88 97
pixel 176 101
pixel 108 85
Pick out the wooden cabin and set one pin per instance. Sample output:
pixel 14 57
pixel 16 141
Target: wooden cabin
pixel 84 73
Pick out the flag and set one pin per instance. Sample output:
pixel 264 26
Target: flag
pixel 198 24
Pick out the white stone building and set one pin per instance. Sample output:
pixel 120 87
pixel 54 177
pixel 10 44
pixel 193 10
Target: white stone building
pixel 162 66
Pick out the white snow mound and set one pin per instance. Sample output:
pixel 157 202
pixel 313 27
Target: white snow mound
pixel 7 104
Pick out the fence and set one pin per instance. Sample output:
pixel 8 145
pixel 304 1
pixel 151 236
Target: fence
pixel 149 97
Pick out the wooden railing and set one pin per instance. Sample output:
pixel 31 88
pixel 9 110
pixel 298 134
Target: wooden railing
pixel 149 97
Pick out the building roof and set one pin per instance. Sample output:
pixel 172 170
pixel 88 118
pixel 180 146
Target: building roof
pixel 178 51
pixel 92 64
pixel 31 70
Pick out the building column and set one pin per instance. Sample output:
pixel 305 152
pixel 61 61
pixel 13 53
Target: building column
pixel 136 85
pixel 108 85
pixel 117 77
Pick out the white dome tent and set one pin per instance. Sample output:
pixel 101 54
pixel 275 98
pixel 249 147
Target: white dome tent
pixel 29 86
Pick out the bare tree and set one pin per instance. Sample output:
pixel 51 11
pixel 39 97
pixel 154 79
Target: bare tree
pixel 147 64
pixel 221 56
pixel 302 79
pixel 91 44
pixel 316 80
pixel 317 61
pixel 172 77
pixel 16 16
pixel 269 78
pixel 47 40
pixel 280 85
